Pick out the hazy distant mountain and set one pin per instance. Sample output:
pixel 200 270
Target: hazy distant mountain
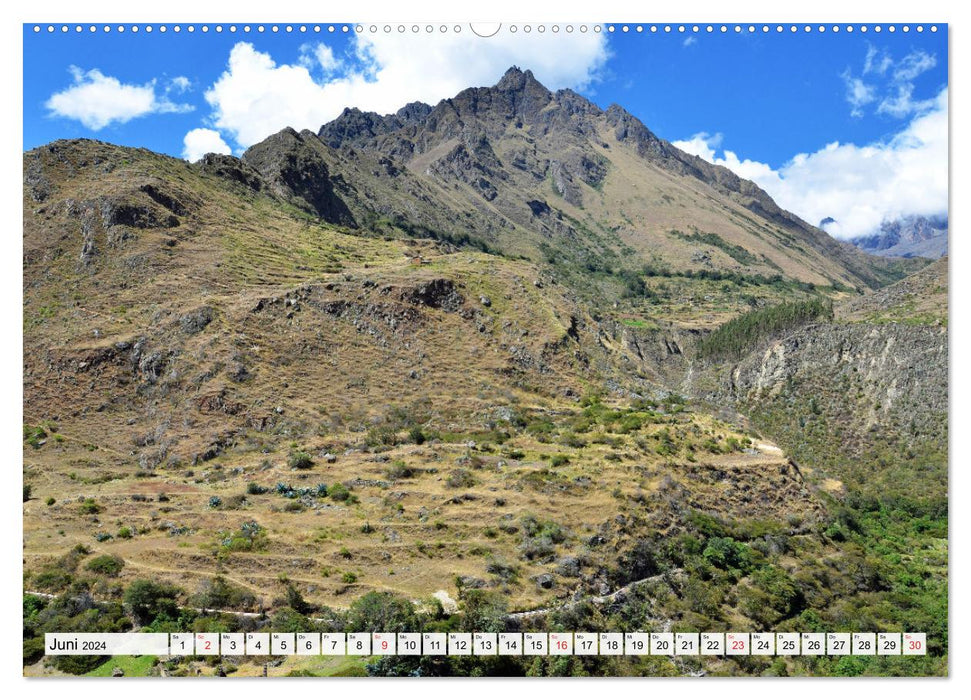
pixel 912 236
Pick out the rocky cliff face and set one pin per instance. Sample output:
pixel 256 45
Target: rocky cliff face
pixel 894 376
pixel 861 404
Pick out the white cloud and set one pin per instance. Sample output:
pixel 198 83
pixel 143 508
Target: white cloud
pixel 912 65
pixel 319 56
pixel 256 97
pixel 858 93
pixel 199 142
pixel 97 100
pixel 891 83
pixel 690 41
pixel 858 186
pixel 179 84
pixel 903 103
pixel 876 61
pixel 701 144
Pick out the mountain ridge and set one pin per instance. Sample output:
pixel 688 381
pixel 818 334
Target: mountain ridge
pixel 513 137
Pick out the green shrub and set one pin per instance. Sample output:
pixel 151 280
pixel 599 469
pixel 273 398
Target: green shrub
pixel 725 553
pixel 381 436
pixel 34 435
pixel 300 460
pixel 339 492
pixel 484 611
pixel 33 650
pixel 106 565
pixel 294 599
pixel 254 489
pixel 572 440
pixel 460 479
pixel 251 536
pixel 218 593
pixel 53 580
pixel 89 507
pixel 502 570
pixel 540 538
pixel 148 600
pixel 772 597
pixel 399 470
pixel 381 612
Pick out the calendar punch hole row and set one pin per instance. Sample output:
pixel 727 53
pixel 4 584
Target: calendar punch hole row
pixel 501 643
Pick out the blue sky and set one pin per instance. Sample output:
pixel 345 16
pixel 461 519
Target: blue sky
pixel 820 120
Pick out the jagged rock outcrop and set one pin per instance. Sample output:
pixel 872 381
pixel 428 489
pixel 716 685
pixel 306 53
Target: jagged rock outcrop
pixel 231 168
pixel 295 169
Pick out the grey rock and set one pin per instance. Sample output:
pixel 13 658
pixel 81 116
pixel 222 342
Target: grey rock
pixel 568 566
pixel 196 320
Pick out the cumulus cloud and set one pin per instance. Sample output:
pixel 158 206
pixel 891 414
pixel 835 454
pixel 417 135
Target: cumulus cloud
pixel 199 142
pixel 888 82
pixel 97 100
pixel 858 186
pixel 256 96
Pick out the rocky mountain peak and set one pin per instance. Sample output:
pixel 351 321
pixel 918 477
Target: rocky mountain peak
pixel 413 112
pixel 515 79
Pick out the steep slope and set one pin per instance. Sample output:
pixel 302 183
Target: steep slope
pixel 918 299
pixel 164 285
